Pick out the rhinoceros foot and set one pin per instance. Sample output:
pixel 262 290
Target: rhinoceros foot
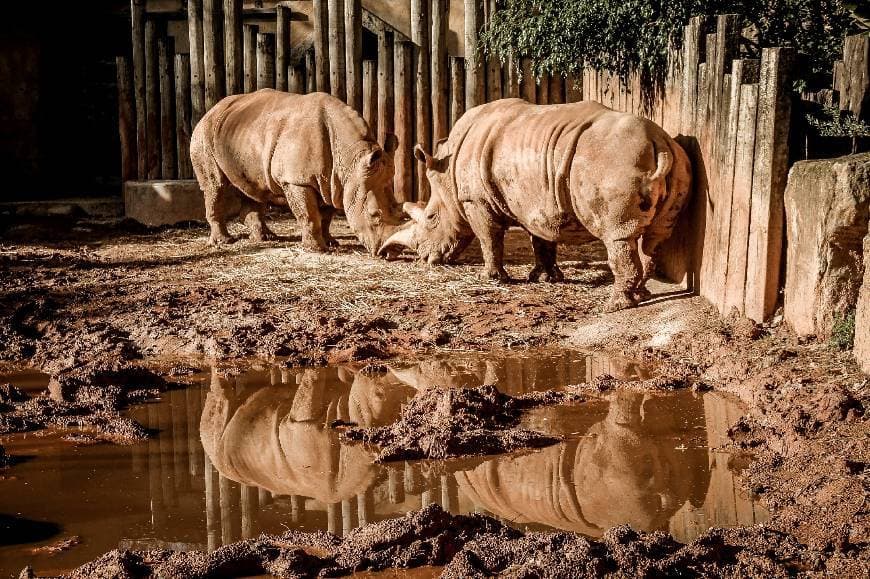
pixel 218 239
pixel 263 234
pixel 642 294
pixel 551 275
pixel 619 301
pixel 331 242
pixel 495 274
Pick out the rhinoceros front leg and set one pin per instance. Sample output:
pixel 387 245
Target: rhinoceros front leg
pixel 326 215
pixel 304 205
pixel 253 214
pixel 625 264
pixel 545 261
pixel 490 232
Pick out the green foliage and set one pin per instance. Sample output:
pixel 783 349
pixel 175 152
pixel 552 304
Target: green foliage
pixel 832 122
pixel 624 36
pixel 843 331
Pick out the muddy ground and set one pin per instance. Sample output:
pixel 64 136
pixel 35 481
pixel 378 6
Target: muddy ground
pixel 115 313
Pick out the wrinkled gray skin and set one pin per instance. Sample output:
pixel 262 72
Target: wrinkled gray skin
pixel 311 150
pixel 569 172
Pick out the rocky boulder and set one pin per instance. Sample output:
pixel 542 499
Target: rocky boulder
pixel 827 203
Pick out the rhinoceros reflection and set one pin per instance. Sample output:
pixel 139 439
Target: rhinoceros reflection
pixel 278 437
pixel 627 469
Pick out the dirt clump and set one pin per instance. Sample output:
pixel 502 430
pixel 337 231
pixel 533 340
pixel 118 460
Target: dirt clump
pixel 451 422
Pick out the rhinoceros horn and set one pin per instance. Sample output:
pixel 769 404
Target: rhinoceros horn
pixel 402 238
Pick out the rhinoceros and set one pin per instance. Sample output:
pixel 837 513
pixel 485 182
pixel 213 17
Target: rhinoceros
pixel 558 171
pixel 312 150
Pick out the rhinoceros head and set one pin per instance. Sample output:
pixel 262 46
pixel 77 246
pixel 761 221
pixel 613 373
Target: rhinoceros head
pixel 369 206
pixel 437 231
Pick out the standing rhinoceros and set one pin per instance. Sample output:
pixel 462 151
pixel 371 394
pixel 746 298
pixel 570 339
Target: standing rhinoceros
pixel 553 170
pixel 313 150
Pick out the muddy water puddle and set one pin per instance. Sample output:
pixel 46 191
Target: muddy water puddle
pixel 250 453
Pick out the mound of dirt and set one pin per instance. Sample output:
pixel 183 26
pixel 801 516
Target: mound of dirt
pixel 451 422
pixel 473 546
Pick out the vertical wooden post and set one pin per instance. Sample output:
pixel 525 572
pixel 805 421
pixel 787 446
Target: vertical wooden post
pixel 404 97
pixel 310 72
pixel 197 66
pixel 421 26
pixel 386 84
pixel 183 115
pixel 353 53
pixel 282 47
pixel 250 506
pixel 250 48
pixel 337 65
pixel 152 101
pixel 474 75
pixel 574 88
pixel 321 45
pixel 493 65
pixel 212 50
pixel 126 120
pixel 527 84
pixel 544 89
pixel 557 88
pixel 370 94
pixel 512 80
pixel 265 60
pixel 457 89
pixel 769 176
pixel 440 64
pixel 137 9
pixel 693 41
pixel 233 45
pixel 165 49
pixel 296 79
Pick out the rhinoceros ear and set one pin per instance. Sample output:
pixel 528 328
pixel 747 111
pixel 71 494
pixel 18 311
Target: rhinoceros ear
pixel 391 143
pixel 423 156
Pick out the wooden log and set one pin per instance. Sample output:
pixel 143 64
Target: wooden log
pixel 741 204
pixel 474 73
pixel 457 89
pixel 494 81
pixel 769 176
pixel 337 65
pixel 168 161
pixel 420 30
pixel 265 60
pixel 282 47
pixel 152 102
pixel 233 46
pixel 692 56
pixel 250 506
pixel 183 114
pixel 386 86
pixel 440 70
pixel 512 79
pixel 310 72
pixel 250 49
pixel 296 79
pixel 404 99
pixel 856 75
pixel 137 9
pixel 212 50
pixel 197 63
pixel 574 88
pixel 527 82
pixel 544 89
pixel 353 53
pixel 126 119
pixel 321 45
pixel 370 94
pixel 557 89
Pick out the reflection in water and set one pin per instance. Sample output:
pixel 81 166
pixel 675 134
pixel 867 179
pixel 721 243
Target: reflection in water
pixel 255 453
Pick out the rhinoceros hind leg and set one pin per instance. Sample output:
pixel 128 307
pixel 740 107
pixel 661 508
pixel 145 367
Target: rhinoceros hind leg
pixel 253 213
pixel 303 203
pixel 490 233
pixel 627 271
pixel 216 199
pixel 545 268
pixel 649 246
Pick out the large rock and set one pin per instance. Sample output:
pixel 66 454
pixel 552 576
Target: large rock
pixel 862 315
pixel 826 206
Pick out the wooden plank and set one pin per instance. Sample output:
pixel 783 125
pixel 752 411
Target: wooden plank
pixel 250 57
pixel 741 208
pixel 527 82
pixel 769 177
pixel 404 98
pixel 183 115
pixel 370 94
pixel 858 72
pixel 310 71
pixel 212 52
pixel 233 46
pixel 126 119
pixel 296 79
pixel 168 161
pixel 421 25
pixel 386 86
pixel 337 65
pixel 474 74
pixel 321 44
pixel 440 70
pixel 574 88
pixel 494 80
pixel 137 9
pixel 282 48
pixel 557 89
pixel 152 102
pixel 544 89
pixel 692 40
pixel 353 53
pixel 197 66
pixel 512 78
pixel 457 89
pixel 265 60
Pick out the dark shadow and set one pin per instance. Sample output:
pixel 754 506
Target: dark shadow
pixel 17 530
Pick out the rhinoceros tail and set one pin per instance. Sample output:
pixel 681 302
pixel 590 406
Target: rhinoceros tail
pixel 664 162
